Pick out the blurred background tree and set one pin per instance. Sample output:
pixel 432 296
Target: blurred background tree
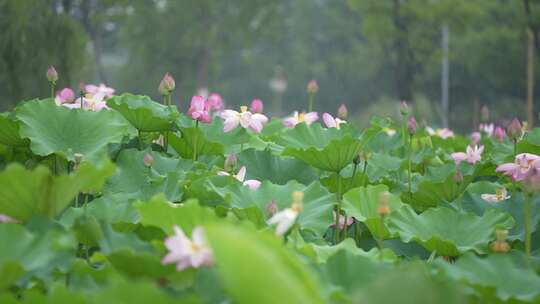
pixel 368 54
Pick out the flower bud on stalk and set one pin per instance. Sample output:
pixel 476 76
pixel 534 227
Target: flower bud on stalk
pixel 499 134
pixel 167 85
pixel 52 75
pixel 272 208
pixel 342 111
pixel 230 162
pixel 312 87
pixel 514 130
pixel 148 160
pixel 256 106
pixel 411 125
pixel 404 108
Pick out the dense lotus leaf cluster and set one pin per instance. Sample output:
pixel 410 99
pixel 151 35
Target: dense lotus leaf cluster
pixel 140 202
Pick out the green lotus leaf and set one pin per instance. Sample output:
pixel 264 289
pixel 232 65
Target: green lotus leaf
pixel 432 193
pixel 362 203
pixel 447 231
pixel 326 149
pixel 143 113
pixel 37 252
pixel 255 267
pixel 137 181
pixel 504 276
pixel 56 129
pixel 159 212
pixel 9 132
pixel 318 202
pixel 321 253
pixel 25 193
pixel 263 165
pixel 472 201
pixel 191 139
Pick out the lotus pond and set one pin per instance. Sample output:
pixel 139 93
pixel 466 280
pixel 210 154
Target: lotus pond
pixel 121 199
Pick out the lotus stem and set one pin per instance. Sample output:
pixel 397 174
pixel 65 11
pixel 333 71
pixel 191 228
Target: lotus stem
pixel 353 175
pixel 52 89
pixel 338 211
pixel 139 139
pixel 195 142
pixel 528 220
pixel 410 166
pixel 364 170
pixel 166 133
pixel 310 102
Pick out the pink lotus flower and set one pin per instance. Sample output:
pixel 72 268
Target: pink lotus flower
pixel 252 184
pixel 244 118
pixel 342 111
pixel 256 106
pixel 66 95
pixel 487 128
pixel 297 118
pixel 199 109
pixel 500 195
pixel 7 219
pixel 472 156
pixel 341 223
pixel 499 134
pixel 442 133
pixel 99 93
pixel 521 166
pixel 332 122
pixel 475 137
pixel 186 253
pixel 286 218
pixel 215 103
pixel 167 84
pixel 90 103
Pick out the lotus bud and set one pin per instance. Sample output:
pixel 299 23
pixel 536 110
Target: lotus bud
pixel 404 108
pixel 298 201
pixel 411 125
pixel 271 208
pixel 230 162
pixel 52 75
pixel 384 207
pixel 167 84
pixel 312 87
pixel 500 245
pixel 215 102
pixel 475 137
pixel 148 160
pixel 514 130
pixel 499 134
pixel 357 159
pixel 342 111
pixel 484 114
pixel 256 106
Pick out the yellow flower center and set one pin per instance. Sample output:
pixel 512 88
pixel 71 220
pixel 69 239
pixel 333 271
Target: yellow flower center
pixel 499 193
pixel 301 117
pixel 195 247
pixel 243 109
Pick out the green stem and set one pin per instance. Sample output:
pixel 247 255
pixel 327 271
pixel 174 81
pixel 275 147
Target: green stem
pixel 410 166
pixel 310 102
pixel 357 233
pixel 195 139
pixel 364 173
pixel 515 147
pixel 353 175
pixel 77 201
pixel 404 130
pixel 166 133
pixel 528 221
pixel 380 238
pixel 338 211
pixel 139 139
pixel 52 90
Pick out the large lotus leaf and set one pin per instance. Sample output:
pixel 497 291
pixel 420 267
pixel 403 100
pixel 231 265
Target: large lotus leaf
pixel 432 193
pixel 161 213
pixel 362 203
pixel 447 231
pixel 137 181
pixel 37 252
pixel 255 267
pixel 28 192
pixel 263 165
pixel 143 113
pixel 321 253
pixel 318 202
pixel 9 132
pixel 327 149
pixel 55 129
pixel 472 201
pixel 194 139
pixel 501 275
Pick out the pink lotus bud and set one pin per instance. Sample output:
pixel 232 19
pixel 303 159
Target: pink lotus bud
pixel 272 208
pixel 475 137
pixel 215 102
pixel 514 130
pixel 411 125
pixel 230 162
pixel 499 133
pixel 148 160
pixel 52 75
pixel 167 84
pixel 484 114
pixel 312 87
pixel 404 108
pixel 7 219
pixel 342 111
pixel 66 95
pixel 256 106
